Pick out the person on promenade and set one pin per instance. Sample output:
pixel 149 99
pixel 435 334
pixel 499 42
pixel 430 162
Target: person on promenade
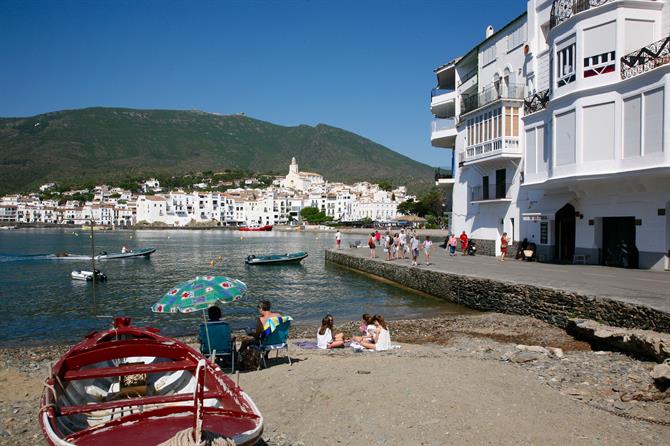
pixel 396 246
pixel 402 238
pixel 324 336
pixel 452 245
pixel 464 242
pixel 388 244
pixel 378 237
pixel 381 337
pixel 427 246
pixel 338 239
pixel 415 249
pixel 504 241
pixel 372 246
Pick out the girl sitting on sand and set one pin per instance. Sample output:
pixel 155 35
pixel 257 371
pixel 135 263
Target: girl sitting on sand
pixel 366 328
pixel 324 337
pixel 381 336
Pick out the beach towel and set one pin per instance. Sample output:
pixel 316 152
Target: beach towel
pixel 306 345
pixel 359 348
pixel 271 324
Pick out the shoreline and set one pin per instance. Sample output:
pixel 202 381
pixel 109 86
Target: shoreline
pixel 458 364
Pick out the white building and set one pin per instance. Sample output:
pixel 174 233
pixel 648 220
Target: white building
pixel 300 181
pixel 589 178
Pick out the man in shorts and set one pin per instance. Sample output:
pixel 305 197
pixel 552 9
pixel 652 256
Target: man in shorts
pixel 403 242
pixel 338 239
pixel 415 249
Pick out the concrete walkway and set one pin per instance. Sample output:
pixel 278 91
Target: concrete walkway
pixel 641 287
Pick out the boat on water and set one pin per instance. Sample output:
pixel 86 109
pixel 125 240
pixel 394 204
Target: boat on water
pixel 293 257
pixel 130 385
pixel 88 275
pixel 256 228
pixel 96 228
pixel 143 252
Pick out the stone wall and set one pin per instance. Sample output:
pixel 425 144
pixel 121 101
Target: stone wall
pixel 548 304
pixel 488 248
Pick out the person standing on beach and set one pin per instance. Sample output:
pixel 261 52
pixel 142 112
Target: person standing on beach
pixel 427 245
pixel 403 242
pixel 464 242
pixel 414 242
pixel 452 245
pixel 372 246
pixel 338 239
pixel 504 241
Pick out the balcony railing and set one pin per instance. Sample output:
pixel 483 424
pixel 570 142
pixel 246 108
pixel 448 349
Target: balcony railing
pixel 509 145
pixel 646 59
pixel 438 125
pixel 563 10
pixel 536 102
pixel 499 191
pixel 443 174
pixel 491 93
pixel 467 76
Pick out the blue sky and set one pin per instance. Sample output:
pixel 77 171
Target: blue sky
pixel 365 66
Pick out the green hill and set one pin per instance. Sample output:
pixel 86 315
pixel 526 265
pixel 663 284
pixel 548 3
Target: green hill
pixel 107 144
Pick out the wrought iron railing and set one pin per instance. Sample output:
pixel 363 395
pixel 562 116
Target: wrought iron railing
pixel 443 174
pixel 499 191
pixel 645 59
pixel 536 102
pixel 562 10
pixel 491 93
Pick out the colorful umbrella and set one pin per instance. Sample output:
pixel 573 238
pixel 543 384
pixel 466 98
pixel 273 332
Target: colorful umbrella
pixel 199 294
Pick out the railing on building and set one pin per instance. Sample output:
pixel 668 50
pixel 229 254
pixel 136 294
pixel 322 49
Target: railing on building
pixel 438 92
pixel 498 146
pixel 443 174
pixel 437 125
pixel 469 75
pixel 645 59
pixel 491 93
pixel 562 10
pixel 497 191
pixel 536 102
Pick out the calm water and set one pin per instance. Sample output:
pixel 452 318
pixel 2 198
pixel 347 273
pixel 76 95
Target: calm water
pixel 39 303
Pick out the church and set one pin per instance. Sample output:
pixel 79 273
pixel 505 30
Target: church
pixel 301 181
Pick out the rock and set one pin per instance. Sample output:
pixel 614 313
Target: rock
pixel 526 356
pixel 556 352
pixel 647 343
pixel 661 373
pixel 532 348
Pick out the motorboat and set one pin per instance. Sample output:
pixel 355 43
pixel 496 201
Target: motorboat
pixel 88 275
pixel 294 257
pixel 131 385
pixel 104 255
pixel 256 228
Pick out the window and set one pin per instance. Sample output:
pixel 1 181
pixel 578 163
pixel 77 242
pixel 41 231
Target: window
pixel 489 54
pixel 485 187
pixel 511 121
pixel 653 121
pixel 599 53
pixel 632 127
pixel 566 58
pixel 565 138
pixel 516 38
pixel 531 151
pixel 598 133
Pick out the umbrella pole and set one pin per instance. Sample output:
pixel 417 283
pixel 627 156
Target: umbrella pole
pixel 209 343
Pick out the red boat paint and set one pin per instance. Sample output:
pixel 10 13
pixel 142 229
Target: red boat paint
pixel 259 228
pixel 215 404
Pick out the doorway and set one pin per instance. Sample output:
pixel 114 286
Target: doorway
pixel 619 242
pixel 565 234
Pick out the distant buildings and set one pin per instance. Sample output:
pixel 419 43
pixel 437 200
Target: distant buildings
pixel 560 127
pixel 278 204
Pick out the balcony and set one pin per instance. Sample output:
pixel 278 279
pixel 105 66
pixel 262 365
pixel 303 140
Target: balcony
pixel 443 103
pixel 645 59
pixel 490 94
pixel 562 10
pixel 500 148
pixel 443 177
pixel 536 102
pixel 443 133
pixel 500 192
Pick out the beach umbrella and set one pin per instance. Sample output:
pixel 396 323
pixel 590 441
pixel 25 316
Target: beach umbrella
pixel 200 293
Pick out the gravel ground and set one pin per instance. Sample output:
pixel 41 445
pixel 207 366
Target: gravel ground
pixel 456 379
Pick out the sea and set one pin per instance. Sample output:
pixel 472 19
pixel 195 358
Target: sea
pixel 40 304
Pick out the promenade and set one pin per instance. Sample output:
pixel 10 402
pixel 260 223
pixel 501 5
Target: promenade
pixel 554 293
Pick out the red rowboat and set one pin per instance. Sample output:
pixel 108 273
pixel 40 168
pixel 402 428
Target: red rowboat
pixel 130 385
pixel 259 228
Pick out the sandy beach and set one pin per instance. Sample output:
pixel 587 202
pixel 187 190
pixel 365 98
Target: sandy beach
pixel 455 380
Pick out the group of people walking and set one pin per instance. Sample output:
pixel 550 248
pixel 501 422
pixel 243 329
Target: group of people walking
pixel 400 245
pixel 374 334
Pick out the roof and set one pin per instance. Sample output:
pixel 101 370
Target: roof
pixel 154 198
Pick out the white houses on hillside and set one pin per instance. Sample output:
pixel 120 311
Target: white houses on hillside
pixel 587 175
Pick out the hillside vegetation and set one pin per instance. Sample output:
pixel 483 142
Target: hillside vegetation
pixel 109 144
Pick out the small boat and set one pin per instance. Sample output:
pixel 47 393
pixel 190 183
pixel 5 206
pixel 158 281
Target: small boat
pixel 104 255
pixel 130 385
pixel 88 275
pixel 294 257
pixel 256 228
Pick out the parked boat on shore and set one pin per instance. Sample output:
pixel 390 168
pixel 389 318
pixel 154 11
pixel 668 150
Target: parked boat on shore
pixel 256 228
pixel 294 257
pixel 130 385
pixel 143 252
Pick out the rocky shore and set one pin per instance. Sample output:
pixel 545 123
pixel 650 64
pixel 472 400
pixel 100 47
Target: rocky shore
pixel 461 378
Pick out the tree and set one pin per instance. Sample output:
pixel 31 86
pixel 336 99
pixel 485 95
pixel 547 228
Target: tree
pixel 385 185
pixel 407 207
pixel 314 216
pixel 432 203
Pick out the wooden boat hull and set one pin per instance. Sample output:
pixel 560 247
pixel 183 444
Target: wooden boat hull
pixel 139 253
pixel 173 390
pixel 276 259
pixel 258 229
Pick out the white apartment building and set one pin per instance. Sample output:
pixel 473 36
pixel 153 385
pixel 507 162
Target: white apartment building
pixel 478 109
pixel 593 154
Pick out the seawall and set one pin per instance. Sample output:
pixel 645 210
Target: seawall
pixel 555 306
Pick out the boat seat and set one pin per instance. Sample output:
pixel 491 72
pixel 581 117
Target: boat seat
pixel 134 369
pixel 143 401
